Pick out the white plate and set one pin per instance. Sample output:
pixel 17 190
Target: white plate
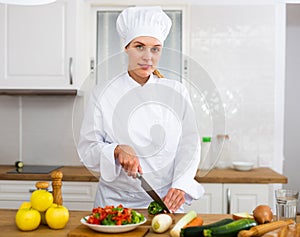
pixel 243 166
pixel 112 228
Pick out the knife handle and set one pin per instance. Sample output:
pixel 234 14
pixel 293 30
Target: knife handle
pixel 138 175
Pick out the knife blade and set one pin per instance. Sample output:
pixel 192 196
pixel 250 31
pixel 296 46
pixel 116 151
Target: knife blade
pixel 150 191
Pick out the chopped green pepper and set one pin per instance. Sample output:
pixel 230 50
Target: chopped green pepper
pixel 108 220
pixel 137 217
pixel 154 208
pixel 120 209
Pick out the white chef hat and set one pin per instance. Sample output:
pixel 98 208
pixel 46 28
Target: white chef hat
pixel 143 21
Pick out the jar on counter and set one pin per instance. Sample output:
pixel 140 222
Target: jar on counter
pixel 205 161
pixel 225 159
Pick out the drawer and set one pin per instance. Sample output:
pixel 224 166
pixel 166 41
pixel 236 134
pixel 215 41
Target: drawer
pixel 76 195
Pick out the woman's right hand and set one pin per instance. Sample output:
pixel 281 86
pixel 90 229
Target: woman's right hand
pixel 128 160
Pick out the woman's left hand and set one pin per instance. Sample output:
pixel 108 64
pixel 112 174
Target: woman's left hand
pixel 174 199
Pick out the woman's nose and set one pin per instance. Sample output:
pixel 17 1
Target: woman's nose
pixel 147 55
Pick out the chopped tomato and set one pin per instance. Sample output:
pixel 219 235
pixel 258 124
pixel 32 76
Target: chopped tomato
pixel 111 215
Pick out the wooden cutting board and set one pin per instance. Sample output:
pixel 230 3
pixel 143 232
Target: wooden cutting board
pixel 84 231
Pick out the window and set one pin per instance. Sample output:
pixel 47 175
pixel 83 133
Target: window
pixel 111 59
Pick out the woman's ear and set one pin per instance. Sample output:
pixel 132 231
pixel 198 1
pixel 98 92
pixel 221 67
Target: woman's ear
pixel 127 48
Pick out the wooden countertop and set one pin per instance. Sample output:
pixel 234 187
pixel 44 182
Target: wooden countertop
pixel 71 173
pixel 7 225
pixel 30 92
pixel 81 174
pixel 75 229
pixel 261 175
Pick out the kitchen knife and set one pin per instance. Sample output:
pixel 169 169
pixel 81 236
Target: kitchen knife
pixel 146 186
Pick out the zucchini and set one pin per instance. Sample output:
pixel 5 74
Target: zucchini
pixel 197 231
pixel 231 229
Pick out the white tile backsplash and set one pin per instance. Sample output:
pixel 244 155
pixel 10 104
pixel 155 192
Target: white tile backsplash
pixel 235 44
pixel 47 135
pixel 9 129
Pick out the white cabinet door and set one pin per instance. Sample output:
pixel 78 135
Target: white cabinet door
pixel 13 193
pixel 244 197
pixel 76 195
pixel 211 202
pixel 79 195
pixel 37 45
pixel 231 198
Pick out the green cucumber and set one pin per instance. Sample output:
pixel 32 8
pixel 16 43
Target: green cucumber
pixel 231 229
pixel 197 231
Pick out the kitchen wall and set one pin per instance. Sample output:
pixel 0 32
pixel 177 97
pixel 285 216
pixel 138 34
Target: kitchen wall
pixel 37 130
pixel 236 44
pixel 292 98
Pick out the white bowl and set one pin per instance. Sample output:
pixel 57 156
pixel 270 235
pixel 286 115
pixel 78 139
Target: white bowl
pixel 242 166
pixel 111 228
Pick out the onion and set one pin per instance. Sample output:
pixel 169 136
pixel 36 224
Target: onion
pixel 161 223
pixel 263 214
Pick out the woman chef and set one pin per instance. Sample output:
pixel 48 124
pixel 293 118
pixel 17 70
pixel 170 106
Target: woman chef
pixel 142 123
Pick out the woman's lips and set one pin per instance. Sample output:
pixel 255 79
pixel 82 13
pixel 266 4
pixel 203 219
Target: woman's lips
pixel 144 66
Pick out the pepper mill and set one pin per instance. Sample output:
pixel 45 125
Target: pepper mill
pixel 57 176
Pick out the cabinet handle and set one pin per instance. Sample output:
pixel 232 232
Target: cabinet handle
pixel 228 200
pixel 71 70
pixel 33 189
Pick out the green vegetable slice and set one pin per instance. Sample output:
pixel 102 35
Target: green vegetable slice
pixel 197 231
pixel 154 208
pixel 231 229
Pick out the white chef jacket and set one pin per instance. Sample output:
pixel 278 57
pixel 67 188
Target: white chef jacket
pixel 158 121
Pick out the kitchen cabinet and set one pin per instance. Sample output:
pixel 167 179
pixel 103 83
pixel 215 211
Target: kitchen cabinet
pixel 211 202
pixel 76 195
pixel 218 198
pixel 231 198
pixel 244 197
pixel 38 45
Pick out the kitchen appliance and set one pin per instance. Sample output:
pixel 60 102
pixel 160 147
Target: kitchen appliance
pixel 146 186
pixel 34 169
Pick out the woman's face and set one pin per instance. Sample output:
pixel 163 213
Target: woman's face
pixel 143 55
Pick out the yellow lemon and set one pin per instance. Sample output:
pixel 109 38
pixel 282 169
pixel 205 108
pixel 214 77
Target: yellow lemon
pixel 27 219
pixel 41 200
pixel 57 216
pixel 25 205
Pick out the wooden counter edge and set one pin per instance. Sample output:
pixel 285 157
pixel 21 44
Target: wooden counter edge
pixel 261 175
pixel 70 173
pixel 82 174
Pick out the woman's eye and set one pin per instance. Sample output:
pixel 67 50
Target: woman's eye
pixel 140 47
pixel 155 50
